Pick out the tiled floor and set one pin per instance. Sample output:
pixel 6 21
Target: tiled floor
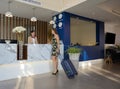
pixel 94 77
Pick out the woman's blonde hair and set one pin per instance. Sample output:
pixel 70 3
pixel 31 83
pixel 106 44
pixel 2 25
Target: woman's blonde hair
pixel 55 31
pixel 49 34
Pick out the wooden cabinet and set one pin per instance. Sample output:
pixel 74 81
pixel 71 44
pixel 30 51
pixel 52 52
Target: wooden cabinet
pixel 22 52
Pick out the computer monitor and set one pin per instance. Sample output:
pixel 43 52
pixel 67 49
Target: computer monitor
pixel 9 41
pixel 110 38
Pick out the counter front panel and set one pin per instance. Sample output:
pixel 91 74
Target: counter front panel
pixel 8 52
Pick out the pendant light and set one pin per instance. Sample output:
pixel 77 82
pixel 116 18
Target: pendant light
pixel 33 19
pixel 9 13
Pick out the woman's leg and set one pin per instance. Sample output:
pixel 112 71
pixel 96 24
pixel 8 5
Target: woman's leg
pixel 56 61
pixel 55 64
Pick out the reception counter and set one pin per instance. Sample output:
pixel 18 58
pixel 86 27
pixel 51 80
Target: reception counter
pixel 38 60
pixel 35 52
pixel 8 53
pixel 41 51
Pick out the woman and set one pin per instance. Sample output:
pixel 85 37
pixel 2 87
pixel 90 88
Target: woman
pixel 55 50
pixel 32 39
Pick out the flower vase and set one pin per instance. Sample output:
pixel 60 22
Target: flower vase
pixel 19 30
pixel 20 36
pixel 20 45
pixel 74 56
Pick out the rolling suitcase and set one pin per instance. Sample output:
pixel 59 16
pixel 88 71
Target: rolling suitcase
pixel 72 67
pixel 67 68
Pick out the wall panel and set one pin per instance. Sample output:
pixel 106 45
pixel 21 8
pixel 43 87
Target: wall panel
pixel 7 24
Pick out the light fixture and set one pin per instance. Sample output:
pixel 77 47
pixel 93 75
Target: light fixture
pixel 33 19
pixel 54 18
pixel 60 16
pixel 54 26
pixel 60 24
pixel 9 13
pixel 52 22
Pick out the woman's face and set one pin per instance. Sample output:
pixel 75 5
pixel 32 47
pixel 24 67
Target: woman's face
pixel 33 34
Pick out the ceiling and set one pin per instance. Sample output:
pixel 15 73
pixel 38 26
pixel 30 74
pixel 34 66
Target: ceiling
pixel 26 11
pixel 96 9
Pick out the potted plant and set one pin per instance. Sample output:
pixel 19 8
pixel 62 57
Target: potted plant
pixel 74 53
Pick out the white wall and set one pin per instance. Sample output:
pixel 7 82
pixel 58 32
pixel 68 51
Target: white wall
pixel 113 28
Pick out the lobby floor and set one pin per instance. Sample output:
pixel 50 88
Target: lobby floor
pixel 90 77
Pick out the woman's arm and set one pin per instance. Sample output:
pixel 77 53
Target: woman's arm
pixel 36 40
pixel 58 42
pixel 29 40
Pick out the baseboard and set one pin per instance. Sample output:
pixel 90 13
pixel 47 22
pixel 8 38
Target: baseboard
pixel 83 64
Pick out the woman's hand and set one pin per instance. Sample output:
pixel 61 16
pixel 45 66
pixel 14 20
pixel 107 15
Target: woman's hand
pixel 58 51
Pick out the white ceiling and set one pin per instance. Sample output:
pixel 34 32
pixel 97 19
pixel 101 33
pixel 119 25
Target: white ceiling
pixel 24 10
pixel 96 9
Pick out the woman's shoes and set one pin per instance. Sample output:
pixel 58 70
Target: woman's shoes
pixel 55 73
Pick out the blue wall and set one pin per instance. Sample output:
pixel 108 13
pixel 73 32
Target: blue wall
pixel 89 52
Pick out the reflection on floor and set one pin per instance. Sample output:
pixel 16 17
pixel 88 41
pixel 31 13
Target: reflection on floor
pixel 92 77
